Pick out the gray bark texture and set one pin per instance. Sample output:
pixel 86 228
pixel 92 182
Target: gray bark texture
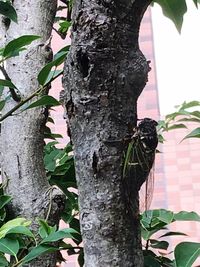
pixel 22 134
pixel 105 72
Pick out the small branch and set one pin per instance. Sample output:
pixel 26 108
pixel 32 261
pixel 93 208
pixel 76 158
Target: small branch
pixel 147 244
pixel 13 93
pixel 2 60
pixel 62 35
pixel 69 12
pixel 40 89
pixel 10 112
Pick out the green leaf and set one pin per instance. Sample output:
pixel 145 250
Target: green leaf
pixel 45 229
pixel 81 258
pixel 174 10
pixel 150 261
pixel 14 46
pixel 60 52
pixel 166 262
pixel 49 160
pixel 194 134
pixel 195 113
pixel 45 100
pixel 161 215
pixel 2 215
pixel 38 251
pixel 7 83
pixel 59 235
pixel 9 246
pixel 177 126
pixel 12 224
pixel 172 233
pixel 21 230
pixel 2 104
pixel 190 120
pixel 190 104
pixel 48 134
pixel 3 261
pixel 75 224
pixel 64 26
pixel 147 234
pixel 173 115
pixel 52 75
pixel 187 216
pixel 153 221
pixel 186 253
pixel 50 147
pixel 196 3
pixel 52 136
pixel 1 90
pixel 165 216
pixel 4 199
pixel 159 244
pixel 7 10
pixel 146 218
pixel 45 72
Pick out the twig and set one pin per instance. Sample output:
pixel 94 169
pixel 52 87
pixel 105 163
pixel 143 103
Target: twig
pixel 10 112
pixel 40 89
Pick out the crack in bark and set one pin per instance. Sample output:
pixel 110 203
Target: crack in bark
pixel 83 62
pixel 19 168
pixel 70 108
pixel 95 161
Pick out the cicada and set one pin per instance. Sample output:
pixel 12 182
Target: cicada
pixel 139 159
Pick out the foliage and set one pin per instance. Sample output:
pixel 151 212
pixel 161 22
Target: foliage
pixel 186 252
pixel 8 10
pixel 187 112
pixel 16 237
pixel 175 10
pixel 18 240
pixel 45 76
pixel 59 164
pixel 60 169
pixel 156 251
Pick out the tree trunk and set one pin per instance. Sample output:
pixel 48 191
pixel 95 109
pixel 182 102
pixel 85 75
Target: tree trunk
pixel 22 135
pixel 105 73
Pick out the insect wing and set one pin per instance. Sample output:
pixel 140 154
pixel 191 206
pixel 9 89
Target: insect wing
pixel 128 157
pixel 146 192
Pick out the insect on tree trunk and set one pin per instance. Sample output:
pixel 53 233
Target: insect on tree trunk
pixel 22 135
pixel 105 73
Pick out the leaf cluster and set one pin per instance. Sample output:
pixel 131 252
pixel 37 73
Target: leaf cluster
pixel 156 250
pixel 187 112
pixel 22 244
pixel 59 164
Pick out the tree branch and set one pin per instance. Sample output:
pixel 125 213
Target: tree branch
pixel 40 89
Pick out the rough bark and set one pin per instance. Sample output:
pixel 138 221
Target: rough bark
pixel 105 72
pixel 22 134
